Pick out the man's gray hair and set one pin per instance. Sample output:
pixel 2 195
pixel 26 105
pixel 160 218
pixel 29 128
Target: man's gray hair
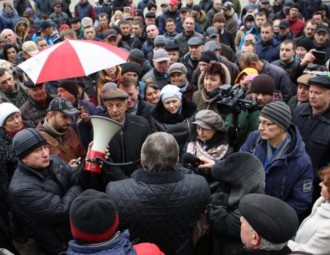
pixel 269 246
pixel 159 152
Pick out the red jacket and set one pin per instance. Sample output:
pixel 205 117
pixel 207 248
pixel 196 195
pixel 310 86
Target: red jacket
pixel 296 26
pixel 147 249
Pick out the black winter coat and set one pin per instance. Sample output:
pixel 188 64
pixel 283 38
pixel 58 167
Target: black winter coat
pixel 42 199
pixel 161 207
pixel 179 125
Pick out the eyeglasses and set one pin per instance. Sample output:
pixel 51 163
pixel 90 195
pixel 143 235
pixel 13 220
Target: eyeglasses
pixel 265 123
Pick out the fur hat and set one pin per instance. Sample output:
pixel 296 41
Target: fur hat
pixel 93 217
pixel 243 172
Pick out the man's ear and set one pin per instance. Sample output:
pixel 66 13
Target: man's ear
pixel 255 240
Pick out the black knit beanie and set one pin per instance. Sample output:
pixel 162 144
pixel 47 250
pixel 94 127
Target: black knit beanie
pixel 305 43
pixel 93 217
pixel 136 55
pixel 207 57
pixel 71 86
pixel 130 67
pixel 278 112
pixel 26 141
pixel 264 84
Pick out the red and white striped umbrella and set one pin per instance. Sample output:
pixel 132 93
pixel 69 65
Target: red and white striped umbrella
pixel 72 58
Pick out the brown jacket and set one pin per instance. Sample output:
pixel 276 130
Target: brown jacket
pixel 70 147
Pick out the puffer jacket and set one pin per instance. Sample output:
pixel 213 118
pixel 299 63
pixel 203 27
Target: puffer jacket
pixel 179 125
pixel 290 177
pixel 120 245
pixel 161 207
pixel 42 199
pixel 33 112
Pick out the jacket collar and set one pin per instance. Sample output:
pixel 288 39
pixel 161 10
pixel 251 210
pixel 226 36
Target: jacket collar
pixel 157 177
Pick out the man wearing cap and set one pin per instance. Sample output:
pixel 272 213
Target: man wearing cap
pixel 158 74
pixel 161 204
pixel 126 145
pixel 265 6
pixel 63 140
pixel 267 224
pixel 188 32
pixel 10 91
pixel 29 49
pixel 321 40
pixel 284 31
pixel 287 60
pixel 94 225
pixel 160 42
pixel 190 60
pixel 58 16
pixel 201 19
pixel 278 145
pixel 128 37
pixel 173 13
pixel 231 18
pixel 302 92
pixel 48 31
pixel 42 190
pixel 77 27
pixel 296 23
pixel 68 89
pixel 313 121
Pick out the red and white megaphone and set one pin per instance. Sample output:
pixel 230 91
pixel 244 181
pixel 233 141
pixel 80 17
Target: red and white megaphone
pixel 104 129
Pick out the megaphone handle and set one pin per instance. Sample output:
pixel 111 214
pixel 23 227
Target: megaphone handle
pixel 98 159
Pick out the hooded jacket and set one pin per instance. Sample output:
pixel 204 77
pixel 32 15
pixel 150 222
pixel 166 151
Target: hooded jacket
pixel 24 37
pixel 290 177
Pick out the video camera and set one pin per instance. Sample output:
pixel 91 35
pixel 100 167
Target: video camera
pixel 232 100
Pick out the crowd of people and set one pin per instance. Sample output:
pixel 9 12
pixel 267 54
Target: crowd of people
pixel 224 113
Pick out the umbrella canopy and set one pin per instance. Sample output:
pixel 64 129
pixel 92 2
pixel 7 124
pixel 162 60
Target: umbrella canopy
pixel 72 58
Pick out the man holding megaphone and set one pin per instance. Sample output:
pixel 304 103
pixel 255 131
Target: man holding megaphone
pixel 125 146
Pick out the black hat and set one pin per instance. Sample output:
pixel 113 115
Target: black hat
pixel 136 55
pixel 264 84
pixel 184 9
pixel 29 84
pixel 70 86
pixel 322 28
pixel 57 5
pixel 150 15
pixel 26 141
pixel 296 6
pixel 172 46
pixel 75 20
pixel 46 24
pixel 305 43
pixel 62 105
pixel 278 112
pixel 195 41
pixel 270 217
pixel 284 24
pixel 196 7
pixel 93 217
pixel 208 56
pixel 110 33
pixel 322 80
pixel 130 67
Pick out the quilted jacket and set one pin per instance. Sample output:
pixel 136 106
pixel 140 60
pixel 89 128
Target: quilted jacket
pixel 161 207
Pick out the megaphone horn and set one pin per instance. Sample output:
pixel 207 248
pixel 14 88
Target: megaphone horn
pixel 104 129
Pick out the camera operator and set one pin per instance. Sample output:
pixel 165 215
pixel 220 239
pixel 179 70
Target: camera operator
pixel 262 89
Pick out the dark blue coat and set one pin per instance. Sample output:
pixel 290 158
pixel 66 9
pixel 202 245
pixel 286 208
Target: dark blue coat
pixel 290 177
pixel 118 246
pixel 269 51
